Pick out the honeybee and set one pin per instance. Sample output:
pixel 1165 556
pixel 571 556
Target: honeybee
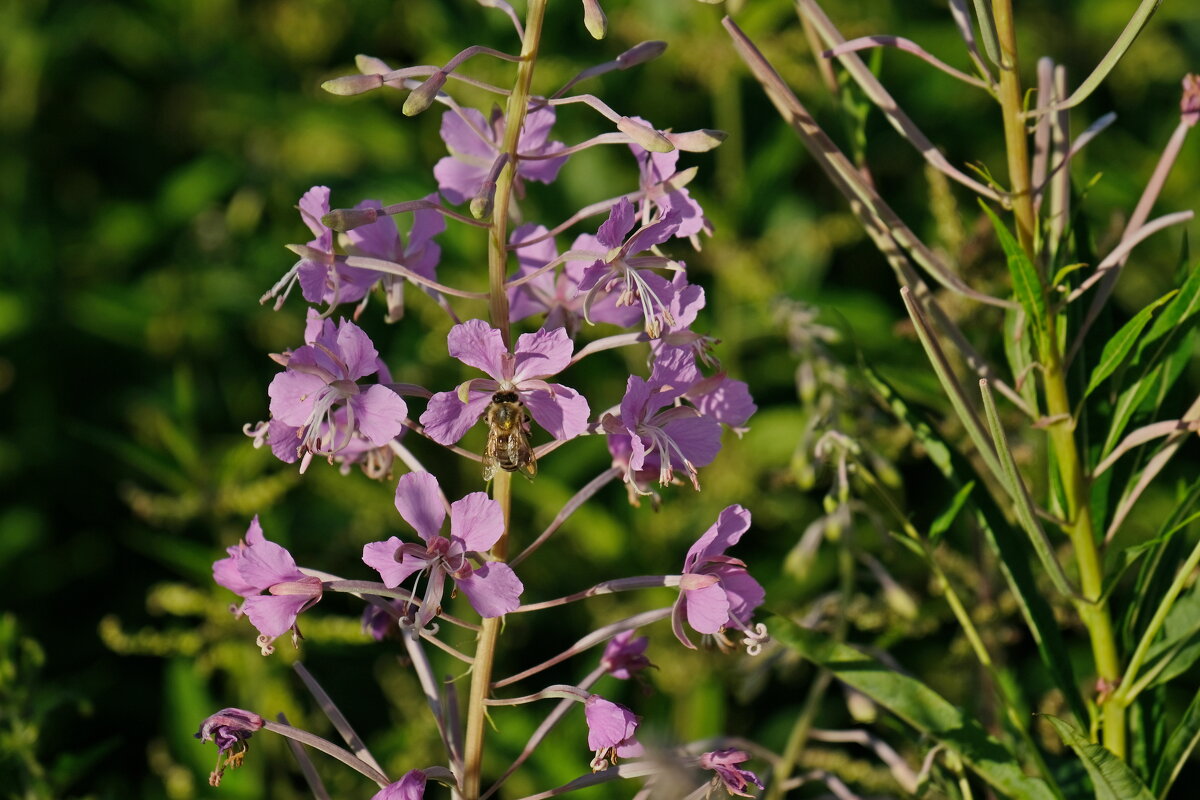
pixel 508 443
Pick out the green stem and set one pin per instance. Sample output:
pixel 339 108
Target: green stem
pixel 514 120
pixel 1092 608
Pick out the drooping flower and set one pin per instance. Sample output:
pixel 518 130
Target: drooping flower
pixel 558 409
pixel 379 621
pixel 717 592
pixel 410 787
pixel 476 523
pixel 625 656
pixel 314 204
pixel 475 142
pixel 728 774
pixel 623 273
pixel 611 729
pixel 256 565
pixel 653 170
pixel 318 396
pixel 230 728
pixel 381 239
pixel 657 432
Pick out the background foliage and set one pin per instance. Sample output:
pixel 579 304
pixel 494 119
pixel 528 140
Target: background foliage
pixel 155 152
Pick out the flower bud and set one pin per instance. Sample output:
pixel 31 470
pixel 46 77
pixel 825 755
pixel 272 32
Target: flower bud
pixel 352 84
pixel 347 219
pixel 370 65
pixel 641 53
pixel 422 97
pixel 1189 104
pixel 645 136
pixel 700 141
pixel 594 19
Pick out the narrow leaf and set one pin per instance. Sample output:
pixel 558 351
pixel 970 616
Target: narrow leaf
pixel 947 517
pixel 1122 342
pixel 1112 779
pixel 1183 307
pixel 919 706
pixel 1179 748
pixel 1027 284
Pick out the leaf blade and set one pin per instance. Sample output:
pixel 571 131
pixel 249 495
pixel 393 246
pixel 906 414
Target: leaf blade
pixel 1112 778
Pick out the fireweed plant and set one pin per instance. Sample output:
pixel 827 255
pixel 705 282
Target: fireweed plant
pixel 617 286
pixel 1095 398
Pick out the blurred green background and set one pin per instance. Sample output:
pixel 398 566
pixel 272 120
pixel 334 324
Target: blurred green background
pixel 154 153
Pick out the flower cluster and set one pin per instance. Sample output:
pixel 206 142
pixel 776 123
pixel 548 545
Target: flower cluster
pixel 617 286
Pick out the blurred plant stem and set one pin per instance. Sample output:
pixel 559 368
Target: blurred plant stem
pixel 518 103
pixel 1092 607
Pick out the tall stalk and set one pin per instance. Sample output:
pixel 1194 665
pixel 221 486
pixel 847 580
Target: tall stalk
pixel 1092 607
pixel 514 120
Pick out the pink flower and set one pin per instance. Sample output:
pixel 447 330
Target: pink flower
pixel 611 728
pixel 474 144
pixel 410 787
pixel 257 565
pixel 230 728
pixel 537 356
pixel 624 655
pixel 717 592
pixel 476 523
pixel 735 779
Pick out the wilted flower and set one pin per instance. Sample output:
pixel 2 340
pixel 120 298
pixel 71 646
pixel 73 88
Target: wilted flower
pixel 474 143
pixel 624 656
pixel 229 728
pixel 716 591
pixel 476 523
pixel 410 787
pixel 725 763
pixel 611 728
pixel 559 409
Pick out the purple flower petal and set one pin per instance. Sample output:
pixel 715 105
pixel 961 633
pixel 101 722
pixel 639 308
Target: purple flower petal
pixel 620 221
pixel 698 438
pixel 458 181
pixel 356 350
pixel 725 400
pixel 379 414
pixel 609 724
pixel 380 239
pixel 266 564
pixel 707 608
pixel 721 535
pixel 479 345
pixel 461 133
pixel 427 223
pixel 447 419
pixel 652 234
pixel 564 415
pixel 419 501
pixel 741 590
pixel 410 787
pixel 493 589
pixel 292 395
pixel 381 557
pixel 477 521
pixel 541 354
pixel 314 204
pixel 314 276
pixel 274 615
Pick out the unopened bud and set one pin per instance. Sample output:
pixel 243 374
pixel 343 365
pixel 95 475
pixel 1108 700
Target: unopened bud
pixel 1189 104
pixel 700 141
pixel 481 203
pixel 347 219
pixel 594 19
pixel 370 65
pixel 646 137
pixel 641 53
pixel 352 84
pixel 422 97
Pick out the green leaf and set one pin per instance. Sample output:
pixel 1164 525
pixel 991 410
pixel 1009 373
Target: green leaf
pixel 1027 284
pixel 1112 779
pixel 1182 308
pixel 918 705
pixel 1012 550
pixel 1178 648
pixel 1179 748
pixel 947 517
pixel 1122 342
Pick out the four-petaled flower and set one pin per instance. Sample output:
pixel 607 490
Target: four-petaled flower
pixel 476 523
pixel 656 432
pixel 229 728
pixel 560 410
pixel 318 396
pixel 611 728
pixel 410 787
pixel 622 272
pixel 725 763
pixel 716 591
pixel 474 143
pixel 256 565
